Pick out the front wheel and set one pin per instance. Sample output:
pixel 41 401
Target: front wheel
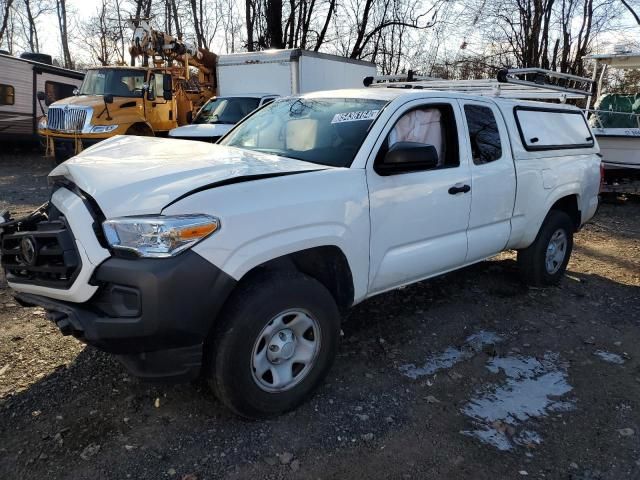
pixel 277 339
pixel 545 260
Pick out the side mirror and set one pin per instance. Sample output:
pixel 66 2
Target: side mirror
pixel 108 98
pixel 151 94
pixel 41 96
pixel 167 86
pixel 189 116
pixel 76 91
pixel 405 157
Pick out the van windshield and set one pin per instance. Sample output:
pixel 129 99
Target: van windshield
pixel 118 82
pixel 327 131
pixel 226 110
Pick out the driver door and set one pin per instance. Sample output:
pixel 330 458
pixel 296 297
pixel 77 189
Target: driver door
pixel 160 112
pixel 419 219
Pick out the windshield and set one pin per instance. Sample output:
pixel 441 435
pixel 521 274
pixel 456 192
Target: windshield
pixel 115 81
pixel 226 110
pixel 328 131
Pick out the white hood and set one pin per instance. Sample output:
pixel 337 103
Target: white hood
pixel 202 130
pixel 130 175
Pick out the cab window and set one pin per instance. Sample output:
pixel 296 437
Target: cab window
pixel 483 134
pixel 432 125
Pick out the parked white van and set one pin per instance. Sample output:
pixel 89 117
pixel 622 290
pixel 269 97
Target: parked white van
pixel 235 260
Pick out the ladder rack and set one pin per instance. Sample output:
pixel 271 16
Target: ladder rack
pixel 521 83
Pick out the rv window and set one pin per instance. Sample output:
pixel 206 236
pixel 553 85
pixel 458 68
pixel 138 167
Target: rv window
pixel 55 91
pixel 551 129
pixel 7 95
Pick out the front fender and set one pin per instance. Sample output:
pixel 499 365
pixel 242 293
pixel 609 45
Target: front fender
pixel 262 220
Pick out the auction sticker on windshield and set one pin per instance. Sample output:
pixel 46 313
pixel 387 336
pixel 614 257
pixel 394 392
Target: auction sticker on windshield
pixel 355 116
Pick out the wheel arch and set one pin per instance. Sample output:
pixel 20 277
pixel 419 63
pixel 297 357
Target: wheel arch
pixel 144 126
pixel 566 200
pixel 327 264
pixel 569 204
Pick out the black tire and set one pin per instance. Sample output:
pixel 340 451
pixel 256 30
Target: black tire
pixel 60 155
pixel 532 260
pixel 229 356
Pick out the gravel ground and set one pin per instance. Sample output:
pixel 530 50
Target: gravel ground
pixel 468 376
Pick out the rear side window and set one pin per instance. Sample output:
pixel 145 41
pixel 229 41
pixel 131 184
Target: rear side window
pixel 483 134
pixel 55 91
pixel 552 129
pixel 7 95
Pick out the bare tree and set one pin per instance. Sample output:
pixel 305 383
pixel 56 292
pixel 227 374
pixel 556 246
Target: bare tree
pixel 61 10
pixel 631 10
pixel 553 34
pixel 29 13
pixel 101 35
pixel 5 10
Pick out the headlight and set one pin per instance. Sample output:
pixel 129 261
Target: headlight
pixel 42 123
pixel 103 128
pixel 161 236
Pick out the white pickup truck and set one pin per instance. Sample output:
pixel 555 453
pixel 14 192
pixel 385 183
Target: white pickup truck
pixel 235 260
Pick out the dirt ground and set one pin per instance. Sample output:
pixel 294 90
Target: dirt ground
pixel 468 376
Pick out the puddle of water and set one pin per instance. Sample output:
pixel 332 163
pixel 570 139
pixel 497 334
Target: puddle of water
pixel 609 357
pixel 448 358
pixel 499 411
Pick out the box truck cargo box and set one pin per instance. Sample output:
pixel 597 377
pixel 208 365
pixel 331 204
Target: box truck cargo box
pixel 289 72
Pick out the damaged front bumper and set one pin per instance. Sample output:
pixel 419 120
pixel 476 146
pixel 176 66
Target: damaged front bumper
pixel 155 314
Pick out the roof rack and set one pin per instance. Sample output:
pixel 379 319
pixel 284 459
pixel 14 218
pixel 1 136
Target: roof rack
pixel 522 83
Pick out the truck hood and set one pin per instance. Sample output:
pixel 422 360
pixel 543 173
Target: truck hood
pixel 94 101
pixel 204 130
pixel 129 175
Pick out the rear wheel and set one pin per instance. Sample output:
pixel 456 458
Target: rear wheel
pixel 276 341
pixel 545 261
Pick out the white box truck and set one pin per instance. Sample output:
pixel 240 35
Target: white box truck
pixel 288 72
pixel 249 80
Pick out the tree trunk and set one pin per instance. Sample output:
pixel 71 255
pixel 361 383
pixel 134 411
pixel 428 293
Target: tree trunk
pixel 33 33
pixel 323 32
pixel 248 10
pixel 61 6
pixel 274 24
pixel 5 19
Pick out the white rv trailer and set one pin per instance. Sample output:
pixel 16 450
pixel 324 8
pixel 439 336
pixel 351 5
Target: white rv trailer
pixel 20 81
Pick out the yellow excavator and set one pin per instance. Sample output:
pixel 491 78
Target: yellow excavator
pixel 171 84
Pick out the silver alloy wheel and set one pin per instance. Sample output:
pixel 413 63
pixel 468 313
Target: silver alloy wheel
pixel 556 251
pixel 285 350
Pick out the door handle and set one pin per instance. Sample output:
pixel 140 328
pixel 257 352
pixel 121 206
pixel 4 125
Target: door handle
pixel 459 189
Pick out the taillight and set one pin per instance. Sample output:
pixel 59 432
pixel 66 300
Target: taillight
pixel 601 177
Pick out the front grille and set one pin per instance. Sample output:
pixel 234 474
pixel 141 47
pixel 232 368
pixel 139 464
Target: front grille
pixel 66 119
pixel 55 261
